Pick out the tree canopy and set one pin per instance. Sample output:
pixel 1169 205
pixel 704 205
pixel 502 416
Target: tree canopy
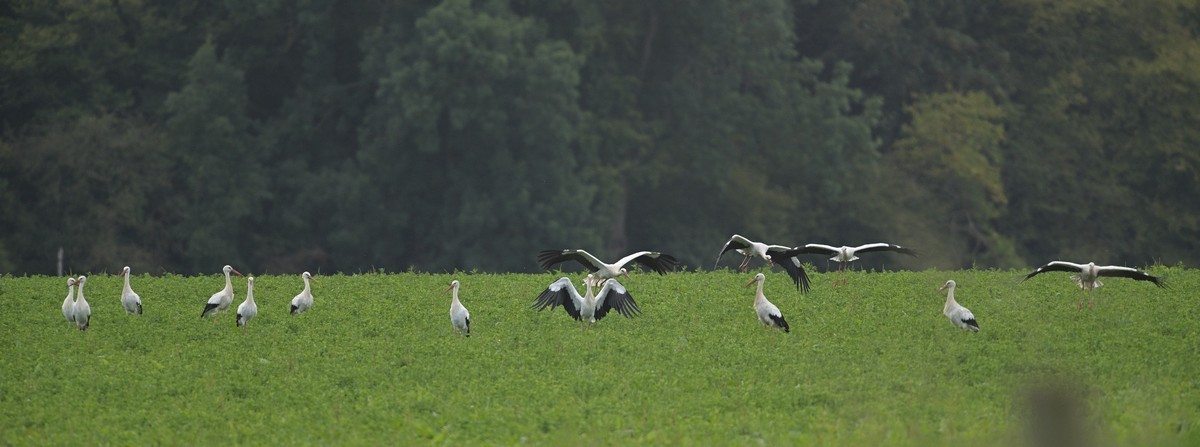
pixel 470 134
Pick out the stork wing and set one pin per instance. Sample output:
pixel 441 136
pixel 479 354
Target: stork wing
pixel 551 257
pixel 881 246
pixel 560 293
pixel 653 260
pixel 614 296
pixel 796 271
pixel 813 249
pixel 734 243
pixel 1056 266
pixel 1126 272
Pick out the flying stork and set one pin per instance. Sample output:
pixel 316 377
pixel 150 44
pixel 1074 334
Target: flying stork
pixel 771 254
pixel 1088 276
pixel 659 262
pixel 588 308
pixel 844 254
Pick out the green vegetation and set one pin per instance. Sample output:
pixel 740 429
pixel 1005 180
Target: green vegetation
pixel 377 362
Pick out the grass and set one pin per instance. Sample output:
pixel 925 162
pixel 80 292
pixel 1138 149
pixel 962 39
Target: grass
pixel 377 362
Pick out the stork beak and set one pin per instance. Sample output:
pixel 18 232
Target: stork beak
pixel 943 287
pixel 234 271
pixel 448 289
pixel 313 279
pixel 749 283
pixel 626 274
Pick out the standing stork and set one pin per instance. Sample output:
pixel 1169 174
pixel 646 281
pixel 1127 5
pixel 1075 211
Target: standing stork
pixel 659 262
pixel 589 308
pixel 82 311
pixel 68 307
pixel 304 300
pixel 844 254
pixel 221 300
pixel 769 253
pixel 958 315
pixel 130 299
pixel 460 318
pixel 248 309
pixel 1088 276
pixel 768 314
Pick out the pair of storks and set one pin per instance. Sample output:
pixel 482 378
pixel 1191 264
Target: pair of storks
pixel 786 257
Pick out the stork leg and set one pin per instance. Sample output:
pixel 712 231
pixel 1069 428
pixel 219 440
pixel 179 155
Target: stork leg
pixel 745 263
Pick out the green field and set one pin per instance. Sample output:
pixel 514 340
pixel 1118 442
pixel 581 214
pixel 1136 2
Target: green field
pixel 376 362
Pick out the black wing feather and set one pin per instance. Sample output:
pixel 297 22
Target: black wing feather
pixel 207 307
pixel 550 298
pixel 550 257
pixel 732 244
pixel 617 298
pixel 1052 267
pixel 796 272
pixel 659 262
pixel 139 308
pixel 970 322
pixel 1137 274
pixel 780 322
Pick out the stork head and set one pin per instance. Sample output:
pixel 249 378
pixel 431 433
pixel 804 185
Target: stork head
pixel 124 271
pixel 249 282
pixel 624 273
pixel 948 285
pixel 453 285
pixel 81 281
pixel 71 282
pixel 769 259
pixel 229 269
pixel 757 278
pixel 308 277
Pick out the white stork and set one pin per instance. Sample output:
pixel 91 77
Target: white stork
pixel 844 255
pixel 220 300
pixel 770 254
pixel 958 315
pixel 82 311
pixel 589 308
pixel 129 298
pixel 304 300
pixel 68 306
pixel 460 318
pixel 1088 276
pixel 248 309
pixel 659 262
pixel 768 314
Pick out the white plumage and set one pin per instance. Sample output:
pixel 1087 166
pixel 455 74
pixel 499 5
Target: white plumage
pixel 958 315
pixel 130 299
pixel 83 311
pixel 768 314
pixel 221 300
pixel 248 309
pixel 1087 276
pixel 68 307
pixel 303 301
pixel 588 308
pixel 460 318
pixel 844 255
pixel 659 262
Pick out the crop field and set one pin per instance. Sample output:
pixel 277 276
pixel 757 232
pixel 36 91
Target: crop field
pixel 376 362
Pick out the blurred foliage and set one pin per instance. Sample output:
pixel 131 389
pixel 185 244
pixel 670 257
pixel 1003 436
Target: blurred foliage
pixel 319 134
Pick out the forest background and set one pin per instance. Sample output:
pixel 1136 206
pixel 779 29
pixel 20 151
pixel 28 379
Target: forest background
pixel 334 135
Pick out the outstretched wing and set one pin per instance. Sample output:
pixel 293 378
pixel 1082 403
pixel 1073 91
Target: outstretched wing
pixel 661 263
pixel 1127 272
pixel 808 249
pixel 882 246
pixel 736 242
pixel 551 257
pixel 1056 266
pixel 614 296
pixel 796 271
pixel 560 293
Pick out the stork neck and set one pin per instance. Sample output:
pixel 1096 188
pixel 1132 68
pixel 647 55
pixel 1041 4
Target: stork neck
pixel 80 296
pixel 454 296
pixel 71 292
pixel 250 294
pixel 307 290
pixel 758 294
pixel 127 288
pixel 228 283
pixel 950 302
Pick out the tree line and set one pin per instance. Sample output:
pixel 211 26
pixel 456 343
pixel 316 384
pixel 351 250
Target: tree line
pixel 295 135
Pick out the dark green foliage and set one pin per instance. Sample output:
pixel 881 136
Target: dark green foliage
pixel 469 134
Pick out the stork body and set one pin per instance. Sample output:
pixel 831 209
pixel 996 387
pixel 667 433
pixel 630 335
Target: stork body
pixel 130 299
pixel 659 262
pixel 460 318
pixel 958 315
pixel 248 309
pixel 304 300
pixel 588 308
pixel 82 310
pixel 68 307
pixel 768 314
pixel 845 254
pixel 221 300
pixel 772 254
pixel 1087 276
